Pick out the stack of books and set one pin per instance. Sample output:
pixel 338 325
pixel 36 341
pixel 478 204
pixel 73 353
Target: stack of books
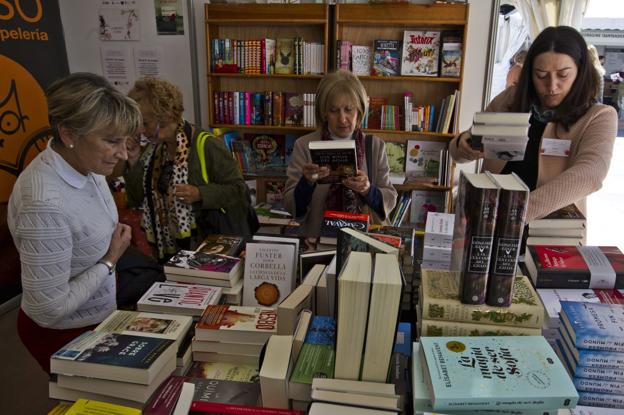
pixel 438 240
pixel 441 313
pixel 565 226
pixel 591 345
pixel 372 395
pixel 112 367
pixel 233 334
pixel 206 268
pixel 500 135
pixel 179 298
pixel 470 374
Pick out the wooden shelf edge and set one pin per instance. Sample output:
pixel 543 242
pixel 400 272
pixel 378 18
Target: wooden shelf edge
pixel 260 21
pixel 263 75
pixel 411 79
pixel 410 133
pixel 421 186
pixel 263 127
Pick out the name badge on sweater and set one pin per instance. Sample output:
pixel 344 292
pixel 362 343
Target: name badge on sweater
pixel 555 147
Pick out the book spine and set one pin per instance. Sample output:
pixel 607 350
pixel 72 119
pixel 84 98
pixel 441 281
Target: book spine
pixel 507 240
pixel 600 386
pixel 601 359
pixel 599 342
pixel 480 211
pixel 229 409
pixel 436 328
pixel 523 315
pixel 604 400
pixel 596 373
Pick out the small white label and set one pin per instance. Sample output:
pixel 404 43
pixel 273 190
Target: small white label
pixel 555 147
pixel 602 274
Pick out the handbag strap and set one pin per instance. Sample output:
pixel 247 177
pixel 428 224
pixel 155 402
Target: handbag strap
pixel 368 150
pixel 200 142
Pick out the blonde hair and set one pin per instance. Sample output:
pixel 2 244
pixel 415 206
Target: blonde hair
pixel 595 59
pixel 339 84
pixel 162 96
pixel 86 103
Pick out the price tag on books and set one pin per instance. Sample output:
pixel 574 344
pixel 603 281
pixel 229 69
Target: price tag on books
pixel 602 274
pixel 555 147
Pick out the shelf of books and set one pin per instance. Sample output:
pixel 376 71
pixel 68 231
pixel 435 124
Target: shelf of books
pixel 265 62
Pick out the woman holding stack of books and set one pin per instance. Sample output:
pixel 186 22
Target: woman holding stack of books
pixel 571 136
pixel 341 103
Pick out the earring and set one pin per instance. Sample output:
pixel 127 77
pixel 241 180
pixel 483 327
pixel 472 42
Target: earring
pixel 71 146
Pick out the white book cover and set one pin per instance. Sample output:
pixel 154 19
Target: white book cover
pixel 361 60
pixel 269 273
pixel 423 202
pixel 421 51
pixel 422 158
pixel 173 297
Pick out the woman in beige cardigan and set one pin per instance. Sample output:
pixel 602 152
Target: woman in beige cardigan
pixel 341 102
pixel 570 135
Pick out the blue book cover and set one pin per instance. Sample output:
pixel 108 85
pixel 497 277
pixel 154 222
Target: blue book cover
pixel 605 400
pixel 591 358
pixel 403 340
pixel 594 326
pixel 505 372
pixel 605 377
pixel 599 386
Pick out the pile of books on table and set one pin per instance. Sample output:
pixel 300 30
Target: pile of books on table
pixel 565 226
pixel 438 240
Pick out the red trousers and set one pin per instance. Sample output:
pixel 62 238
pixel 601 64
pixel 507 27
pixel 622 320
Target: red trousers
pixel 42 342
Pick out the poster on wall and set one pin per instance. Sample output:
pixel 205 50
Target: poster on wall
pixel 147 62
pixel 169 20
pixel 32 55
pixel 116 67
pixel 119 24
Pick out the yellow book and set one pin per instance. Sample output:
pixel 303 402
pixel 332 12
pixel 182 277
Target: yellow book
pixel 89 407
pixel 61 408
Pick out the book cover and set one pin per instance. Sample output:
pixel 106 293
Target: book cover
pixel 440 300
pixel 386 58
pixel 421 50
pixel 87 406
pixel 594 326
pixel 395 152
pixel 450 65
pixel 284 56
pixel 361 60
pixel 473 236
pixel 136 323
pixel 437 328
pixel 512 206
pixel 225 391
pixel 423 202
pixel 200 264
pixel 316 358
pixel 269 273
pixel 551 298
pixel 221 244
pixel 184 299
pixel 236 323
pixel 223 371
pixel 604 400
pixel 355 240
pixel 339 156
pixel 293 109
pixel 561 266
pixel 567 217
pixel 422 159
pixel 333 221
pixel 267 151
pixel 495 372
pixel 375 109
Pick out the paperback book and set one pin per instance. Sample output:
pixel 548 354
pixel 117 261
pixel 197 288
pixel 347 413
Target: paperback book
pixel 594 326
pixel 361 60
pixel 269 273
pixel 221 244
pixel 333 221
pixel 386 57
pixel 204 265
pixel 226 323
pixel 177 298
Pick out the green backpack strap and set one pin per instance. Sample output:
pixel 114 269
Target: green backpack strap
pixel 200 142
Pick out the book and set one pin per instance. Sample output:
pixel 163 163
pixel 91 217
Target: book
pixel 501 118
pixel 353 386
pixel 307 260
pixel 604 400
pixel 553 240
pixel 395 152
pixel 386 58
pixel 293 108
pixel 592 410
pixel 421 50
pixel 594 326
pixel 233 295
pixel 436 328
pixel 226 323
pixel 513 200
pixel 269 216
pixel 114 356
pixel 176 298
pixel 424 202
pixel 567 217
pixel 354 286
pixel 86 406
pixel 610 369
pixel 136 323
pixel 422 159
pixel 324 408
pixel 267 151
pixel 221 244
pixel 184 399
pixel 352 240
pixel 375 111
pixel 551 298
pixel 338 155
pixel 361 60
pixel 450 59
pixel 473 236
pixel 334 221
pixel 439 300
pixel 269 273
pixel 243 359
pixel 573 266
pixel 274 372
pixel 284 56
pixel 223 371
pixel 245 349
pixel 305 317
pixel 383 314
pixel 495 372
pixel 204 265
pixel 356 399
pixel 71 395
pixel 301 298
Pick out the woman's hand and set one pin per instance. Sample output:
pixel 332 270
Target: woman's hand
pixel 358 183
pixel 187 193
pixel 464 150
pixel 312 172
pixel 119 242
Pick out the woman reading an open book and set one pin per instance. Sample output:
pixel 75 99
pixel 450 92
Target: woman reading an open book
pixel 63 218
pixel 571 136
pixel 341 103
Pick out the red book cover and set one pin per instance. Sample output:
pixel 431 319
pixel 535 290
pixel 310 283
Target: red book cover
pixel 374 112
pixel 333 221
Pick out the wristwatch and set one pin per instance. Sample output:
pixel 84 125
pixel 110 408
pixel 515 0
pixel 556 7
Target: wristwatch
pixel 109 264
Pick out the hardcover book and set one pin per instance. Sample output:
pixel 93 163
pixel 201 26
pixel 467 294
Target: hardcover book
pixel 423 202
pixel 450 65
pixel 567 217
pixel 551 298
pixel 284 56
pixel 227 323
pixel 386 57
pixel 173 297
pixel 114 356
pixel 473 237
pixel 395 152
pixel 422 159
pixel 436 328
pixel 439 300
pixel 421 50
pixel 361 60
pixel 512 206
pixel 338 155
pixel 495 372
pixel 269 273
pixel 293 108
pixel 267 151
pixel 333 221
pixel 560 266
pixel 204 265
pixel 594 326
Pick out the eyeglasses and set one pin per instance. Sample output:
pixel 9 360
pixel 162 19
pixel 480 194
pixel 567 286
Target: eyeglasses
pixel 165 177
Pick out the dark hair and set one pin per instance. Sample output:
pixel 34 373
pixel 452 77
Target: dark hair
pixel 582 94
